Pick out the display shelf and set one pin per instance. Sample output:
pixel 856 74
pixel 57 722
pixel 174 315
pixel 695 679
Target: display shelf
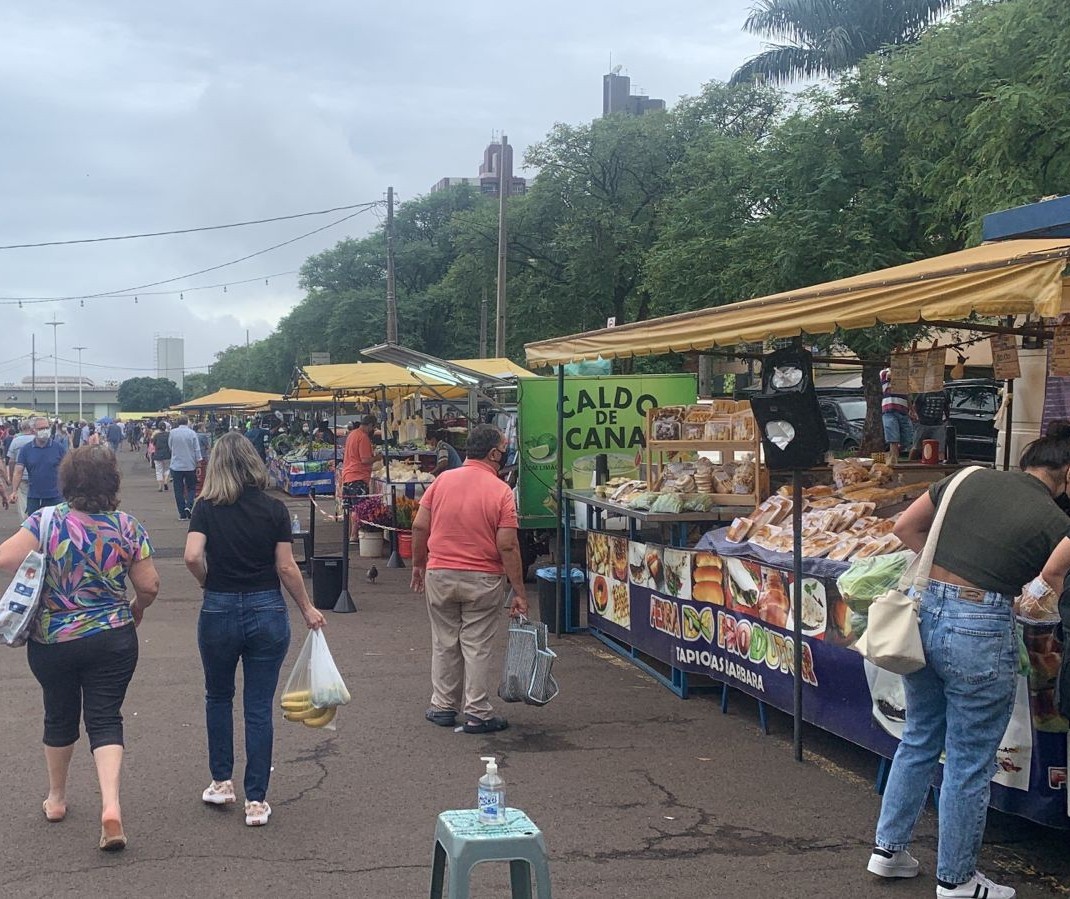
pixel 676 446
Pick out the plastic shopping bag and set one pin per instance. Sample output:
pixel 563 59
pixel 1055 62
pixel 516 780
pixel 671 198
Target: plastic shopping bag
pixel 22 598
pixel 526 675
pixel 315 688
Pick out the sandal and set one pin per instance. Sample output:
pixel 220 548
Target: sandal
pixel 484 725
pixel 113 842
pixel 441 717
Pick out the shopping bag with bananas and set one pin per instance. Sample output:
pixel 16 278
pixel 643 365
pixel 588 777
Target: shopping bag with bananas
pixel 315 688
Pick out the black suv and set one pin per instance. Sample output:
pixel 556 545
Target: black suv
pixel 972 405
pixel 845 417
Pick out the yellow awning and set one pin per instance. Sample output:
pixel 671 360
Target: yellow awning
pixel 13 412
pixel 229 398
pixel 1006 278
pixel 369 377
pixel 496 367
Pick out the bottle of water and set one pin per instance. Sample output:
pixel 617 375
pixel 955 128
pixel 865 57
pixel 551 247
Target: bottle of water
pixel 491 794
pixel 295 525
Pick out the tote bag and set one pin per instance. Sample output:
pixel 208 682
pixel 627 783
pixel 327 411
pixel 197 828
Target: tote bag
pixel 892 639
pixel 22 598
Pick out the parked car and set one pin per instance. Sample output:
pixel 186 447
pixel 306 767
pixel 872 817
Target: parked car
pixel 972 405
pixel 845 417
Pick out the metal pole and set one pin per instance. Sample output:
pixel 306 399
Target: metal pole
pixel 345 601
pixel 796 518
pixel 483 326
pixel 391 296
pixel 55 360
pixel 79 348
pixel 505 181
pixel 559 490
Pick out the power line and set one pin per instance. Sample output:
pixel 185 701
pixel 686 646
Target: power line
pixel 126 367
pixel 277 218
pixel 8 301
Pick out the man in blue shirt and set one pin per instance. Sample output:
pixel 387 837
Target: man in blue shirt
pixel 39 460
pixel 185 454
pixel 258 436
pixel 446 457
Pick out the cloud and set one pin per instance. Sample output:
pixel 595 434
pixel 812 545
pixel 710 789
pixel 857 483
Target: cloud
pixel 122 116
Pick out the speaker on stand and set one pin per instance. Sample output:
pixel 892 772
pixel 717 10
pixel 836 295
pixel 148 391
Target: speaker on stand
pixel 794 438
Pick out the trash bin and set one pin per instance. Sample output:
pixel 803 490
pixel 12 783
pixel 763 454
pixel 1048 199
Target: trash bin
pixel 326 581
pixel 547 578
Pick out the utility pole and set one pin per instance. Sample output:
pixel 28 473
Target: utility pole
pixel 79 348
pixel 483 325
pixel 33 371
pixel 391 297
pixel 55 358
pixel 505 183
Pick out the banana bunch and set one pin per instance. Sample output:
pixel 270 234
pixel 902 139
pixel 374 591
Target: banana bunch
pixel 297 706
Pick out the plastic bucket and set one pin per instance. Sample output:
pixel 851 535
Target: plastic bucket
pixel 371 544
pixel 405 544
pixel 326 581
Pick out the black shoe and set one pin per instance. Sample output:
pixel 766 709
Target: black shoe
pixel 441 717
pixel 484 725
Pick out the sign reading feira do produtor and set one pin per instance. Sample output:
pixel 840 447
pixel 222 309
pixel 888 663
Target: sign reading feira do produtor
pixel 601 415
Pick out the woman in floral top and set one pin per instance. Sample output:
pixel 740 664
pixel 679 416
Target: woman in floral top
pixel 84 649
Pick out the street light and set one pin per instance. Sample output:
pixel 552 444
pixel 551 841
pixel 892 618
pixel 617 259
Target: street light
pixel 55 359
pixel 79 348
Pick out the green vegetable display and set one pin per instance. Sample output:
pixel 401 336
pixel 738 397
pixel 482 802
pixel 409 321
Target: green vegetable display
pixel 868 578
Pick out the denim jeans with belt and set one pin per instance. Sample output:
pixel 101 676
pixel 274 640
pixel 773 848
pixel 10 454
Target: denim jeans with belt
pixel 961 703
pixel 255 628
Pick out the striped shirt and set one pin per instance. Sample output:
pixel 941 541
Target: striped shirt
pixel 891 402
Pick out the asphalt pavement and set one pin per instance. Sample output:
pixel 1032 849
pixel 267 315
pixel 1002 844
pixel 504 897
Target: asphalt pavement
pixel 637 793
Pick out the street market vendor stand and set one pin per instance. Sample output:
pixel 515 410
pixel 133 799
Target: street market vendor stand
pixel 709 637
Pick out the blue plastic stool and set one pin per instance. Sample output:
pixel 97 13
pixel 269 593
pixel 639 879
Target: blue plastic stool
pixel 464 842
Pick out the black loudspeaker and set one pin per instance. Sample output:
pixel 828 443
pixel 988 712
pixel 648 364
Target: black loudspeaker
pixel 787 412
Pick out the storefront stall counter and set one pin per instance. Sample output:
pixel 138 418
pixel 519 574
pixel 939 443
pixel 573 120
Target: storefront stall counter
pixel 598 509
pixel 724 610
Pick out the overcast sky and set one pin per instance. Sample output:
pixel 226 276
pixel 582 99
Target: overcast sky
pixel 121 116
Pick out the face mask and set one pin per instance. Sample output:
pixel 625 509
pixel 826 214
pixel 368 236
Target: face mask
pixel 44 434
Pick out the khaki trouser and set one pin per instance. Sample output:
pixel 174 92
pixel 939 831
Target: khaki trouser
pixel 20 498
pixel 465 608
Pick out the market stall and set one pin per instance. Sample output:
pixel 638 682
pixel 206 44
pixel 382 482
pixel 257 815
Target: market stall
pixel 723 608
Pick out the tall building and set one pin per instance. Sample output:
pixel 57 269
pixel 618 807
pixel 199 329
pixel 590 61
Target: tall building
pixel 489 177
pixel 170 359
pixel 617 96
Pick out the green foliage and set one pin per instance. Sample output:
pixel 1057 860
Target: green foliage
pixel 197 385
pixel 826 37
pixel 148 394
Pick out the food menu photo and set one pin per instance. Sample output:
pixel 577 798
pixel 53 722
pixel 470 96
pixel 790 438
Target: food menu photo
pixel 608 566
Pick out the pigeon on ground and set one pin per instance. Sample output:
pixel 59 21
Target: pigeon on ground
pixel 373 573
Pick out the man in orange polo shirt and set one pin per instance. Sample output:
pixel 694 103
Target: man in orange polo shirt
pixel 358 457
pixel 464 548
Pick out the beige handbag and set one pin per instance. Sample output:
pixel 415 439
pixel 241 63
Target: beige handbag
pixel 892 639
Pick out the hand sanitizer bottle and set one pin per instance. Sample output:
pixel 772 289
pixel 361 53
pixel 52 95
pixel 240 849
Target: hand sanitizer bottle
pixel 295 525
pixel 491 794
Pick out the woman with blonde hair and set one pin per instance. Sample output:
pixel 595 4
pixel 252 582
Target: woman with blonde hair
pixel 83 648
pixel 239 548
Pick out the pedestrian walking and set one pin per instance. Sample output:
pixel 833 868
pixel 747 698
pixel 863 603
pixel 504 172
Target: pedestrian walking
pixel 115 435
pixel 83 648
pixel 239 548
pixel 465 547
pixel 1001 529
pixel 24 437
pixel 92 438
pixel 39 462
pixel 185 454
pixel 160 454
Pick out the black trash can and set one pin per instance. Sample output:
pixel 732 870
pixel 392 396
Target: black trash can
pixel 547 578
pixel 326 581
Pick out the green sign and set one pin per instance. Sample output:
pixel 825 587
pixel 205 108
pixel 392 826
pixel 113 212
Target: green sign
pixel 602 415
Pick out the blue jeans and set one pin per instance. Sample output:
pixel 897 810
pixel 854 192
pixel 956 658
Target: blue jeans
pixel 185 484
pixel 960 703
pixel 898 428
pixel 253 627
pixel 33 503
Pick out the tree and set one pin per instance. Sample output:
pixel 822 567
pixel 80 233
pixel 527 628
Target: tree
pixel 148 394
pixel 826 37
pixel 197 385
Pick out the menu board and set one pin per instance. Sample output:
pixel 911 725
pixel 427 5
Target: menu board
pixel 1059 355
pixel 900 373
pixel 919 367
pixel 1005 363
pixel 934 370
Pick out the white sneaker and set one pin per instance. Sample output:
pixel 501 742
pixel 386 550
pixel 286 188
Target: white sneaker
pixel 219 792
pixel 901 864
pixel 977 887
pixel 257 813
